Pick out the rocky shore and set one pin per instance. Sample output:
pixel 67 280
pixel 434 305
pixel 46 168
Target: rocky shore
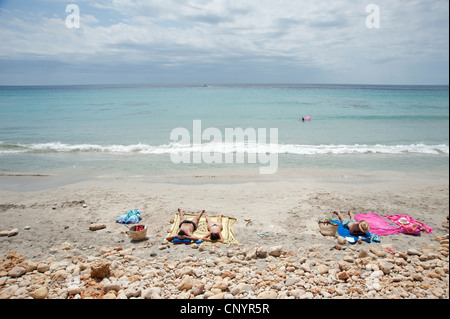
pixel 64 243
pixel 235 272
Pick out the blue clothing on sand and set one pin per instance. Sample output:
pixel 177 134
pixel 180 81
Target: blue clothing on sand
pixel 345 232
pixel 132 217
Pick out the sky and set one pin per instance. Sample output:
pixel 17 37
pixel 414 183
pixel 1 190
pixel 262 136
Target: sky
pixel 224 41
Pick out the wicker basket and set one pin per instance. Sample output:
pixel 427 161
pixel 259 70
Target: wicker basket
pixel 328 229
pixel 138 235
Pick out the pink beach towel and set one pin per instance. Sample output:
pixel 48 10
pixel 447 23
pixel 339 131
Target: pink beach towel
pixel 379 225
pixel 395 219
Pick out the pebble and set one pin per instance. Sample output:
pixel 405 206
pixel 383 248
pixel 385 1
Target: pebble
pixel 268 295
pixel 17 271
pixel 13 232
pixel 322 269
pixel 40 293
pixel 261 272
pixel 95 227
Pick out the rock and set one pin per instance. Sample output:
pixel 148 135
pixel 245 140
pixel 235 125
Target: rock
pixel 100 269
pixel 235 291
pixel 191 275
pixel 228 274
pixel 152 293
pixel 222 285
pixel 275 251
pixel 363 254
pixel 261 252
pixel 43 267
pixel 110 295
pixel 40 293
pixel 386 266
pixel 243 287
pixel 13 232
pixel 186 284
pixel 343 265
pixel 111 286
pixel 401 255
pixel 252 254
pixel 268 295
pixel 133 292
pixel 413 252
pixel 305 267
pixel 322 269
pixel 342 241
pixel 377 274
pixel 65 246
pixel 74 290
pixel 198 289
pixel 417 277
pixel 4 233
pixel 94 227
pixel 179 273
pixel 17 271
pixel 290 281
pixel 59 276
pixel 348 258
pixel 307 295
pixel 297 293
pixel 30 266
pixel 343 276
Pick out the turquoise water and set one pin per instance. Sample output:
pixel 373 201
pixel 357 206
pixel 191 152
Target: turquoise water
pixel 125 130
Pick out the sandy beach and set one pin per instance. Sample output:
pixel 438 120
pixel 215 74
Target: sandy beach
pixel 287 211
pixel 54 223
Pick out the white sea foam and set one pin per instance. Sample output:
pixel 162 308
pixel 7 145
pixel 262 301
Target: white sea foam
pixel 295 149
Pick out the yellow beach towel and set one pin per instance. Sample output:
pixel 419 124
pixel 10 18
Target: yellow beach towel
pixel 202 229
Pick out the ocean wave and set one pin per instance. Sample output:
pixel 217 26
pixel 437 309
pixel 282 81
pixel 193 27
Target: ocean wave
pixel 295 149
pixel 364 149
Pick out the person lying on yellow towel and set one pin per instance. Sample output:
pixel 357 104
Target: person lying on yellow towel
pixel 187 228
pixel 215 230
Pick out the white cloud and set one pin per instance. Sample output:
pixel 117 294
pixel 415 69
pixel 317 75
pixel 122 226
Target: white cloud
pixel 321 34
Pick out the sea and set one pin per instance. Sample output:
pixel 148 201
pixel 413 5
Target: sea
pixel 129 131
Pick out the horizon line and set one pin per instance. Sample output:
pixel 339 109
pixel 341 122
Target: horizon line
pixel 203 84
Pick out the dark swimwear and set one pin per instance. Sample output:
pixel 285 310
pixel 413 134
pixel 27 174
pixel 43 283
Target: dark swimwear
pixel 189 222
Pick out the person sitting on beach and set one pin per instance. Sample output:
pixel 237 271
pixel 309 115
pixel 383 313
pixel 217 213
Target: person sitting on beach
pixel 356 228
pixel 187 227
pixel 215 230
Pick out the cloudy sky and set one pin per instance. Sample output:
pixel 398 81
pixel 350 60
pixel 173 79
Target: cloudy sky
pixel 224 41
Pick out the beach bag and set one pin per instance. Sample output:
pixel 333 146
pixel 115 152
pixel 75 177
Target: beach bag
pixel 138 232
pixel 410 230
pixel 328 228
